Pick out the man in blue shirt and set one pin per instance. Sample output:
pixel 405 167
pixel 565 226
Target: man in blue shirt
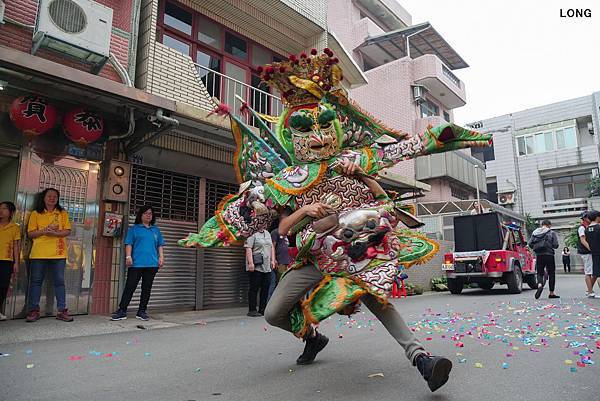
pixel 144 250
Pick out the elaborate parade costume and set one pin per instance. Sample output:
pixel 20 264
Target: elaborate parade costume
pixel 326 151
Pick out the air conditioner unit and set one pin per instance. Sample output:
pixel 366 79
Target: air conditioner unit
pixel 80 29
pixel 419 92
pixel 507 198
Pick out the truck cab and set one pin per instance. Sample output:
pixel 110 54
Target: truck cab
pixel 489 250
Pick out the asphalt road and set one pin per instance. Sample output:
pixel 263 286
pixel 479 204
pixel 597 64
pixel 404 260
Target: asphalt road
pixel 540 343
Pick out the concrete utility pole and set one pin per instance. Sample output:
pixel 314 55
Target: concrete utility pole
pixel 477 186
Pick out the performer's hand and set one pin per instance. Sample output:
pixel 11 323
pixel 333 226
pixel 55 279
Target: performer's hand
pixel 317 210
pixel 348 167
pixel 161 261
pixel 274 264
pixel 250 267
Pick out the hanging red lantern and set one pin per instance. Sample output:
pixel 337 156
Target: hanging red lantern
pixel 83 126
pixel 32 115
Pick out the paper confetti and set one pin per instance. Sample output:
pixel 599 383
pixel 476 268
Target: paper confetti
pixel 75 358
pixel 505 365
pixel 376 375
pixel 147 354
pixel 568 362
pixel 573 369
pixel 478 365
pixel 30 365
pixel 28 352
pixel 463 360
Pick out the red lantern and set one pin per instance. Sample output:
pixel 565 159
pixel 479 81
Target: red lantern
pixel 32 115
pixel 83 126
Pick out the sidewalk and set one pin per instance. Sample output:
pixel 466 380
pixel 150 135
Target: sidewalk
pixel 48 328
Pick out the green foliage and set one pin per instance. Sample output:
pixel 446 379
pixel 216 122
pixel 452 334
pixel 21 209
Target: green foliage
pixel 413 289
pixel 530 224
pixel 439 284
pixel 572 238
pixel 594 186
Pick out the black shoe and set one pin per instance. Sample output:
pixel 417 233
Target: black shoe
pixel 253 313
pixel 313 346
pixel 119 315
pixel 434 369
pixel 553 296
pixel 142 315
pixel 538 292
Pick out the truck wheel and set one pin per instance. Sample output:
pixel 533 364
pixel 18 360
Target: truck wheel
pixel 514 280
pixel 455 285
pixel 531 280
pixel 486 285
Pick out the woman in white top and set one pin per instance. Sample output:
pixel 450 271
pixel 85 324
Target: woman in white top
pixel 260 260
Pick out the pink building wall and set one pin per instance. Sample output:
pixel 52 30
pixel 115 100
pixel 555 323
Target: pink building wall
pixel 388 95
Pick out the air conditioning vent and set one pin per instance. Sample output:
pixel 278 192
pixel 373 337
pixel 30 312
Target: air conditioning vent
pixel 67 15
pixel 79 29
pixel 506 198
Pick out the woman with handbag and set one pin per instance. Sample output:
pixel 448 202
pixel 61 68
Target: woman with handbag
pixel 260 260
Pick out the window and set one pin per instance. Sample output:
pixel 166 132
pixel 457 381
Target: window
pixel 458 192
pixel 558 137
pixel 209 33
pixel 176 44
pixel 566 187
pixel 429 109
pixel 236 46
pixel 446 116
pixel 484 154
pixel 207 64
pixel 492 192
pixel 178 18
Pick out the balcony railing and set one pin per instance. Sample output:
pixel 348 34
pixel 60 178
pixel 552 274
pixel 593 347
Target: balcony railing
pixel 446 71
pixel 564 207
pixel 227 90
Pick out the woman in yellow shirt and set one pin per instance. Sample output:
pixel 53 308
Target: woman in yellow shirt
pixel 10 236
pixel 49 227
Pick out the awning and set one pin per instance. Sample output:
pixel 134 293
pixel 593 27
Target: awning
pixel 352 72
pixel 401 183
pixel 423 39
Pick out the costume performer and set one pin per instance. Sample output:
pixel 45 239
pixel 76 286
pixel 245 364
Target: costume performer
pixel 320 161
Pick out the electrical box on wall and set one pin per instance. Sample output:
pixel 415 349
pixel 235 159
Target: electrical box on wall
pixel 116 185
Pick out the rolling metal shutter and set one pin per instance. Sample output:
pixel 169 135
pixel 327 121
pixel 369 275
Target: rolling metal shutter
pixel 175 199
pixel 225 280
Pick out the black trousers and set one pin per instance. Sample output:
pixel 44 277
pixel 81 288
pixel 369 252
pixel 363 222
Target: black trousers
pixel 546 262
pixel 258 280
pixel 567 264
pixel 133 278
pixel 6 270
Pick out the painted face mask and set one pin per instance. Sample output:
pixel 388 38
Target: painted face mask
pixel 313 133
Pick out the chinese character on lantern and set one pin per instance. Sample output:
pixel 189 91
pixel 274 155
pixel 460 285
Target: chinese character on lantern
pixel 32 115
pixel 83 126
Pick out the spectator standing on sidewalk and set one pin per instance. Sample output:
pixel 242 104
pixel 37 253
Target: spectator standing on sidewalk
pixel 592 236
pixel 10 239
pixel 583 249
pixel 144 255
pixel 48 227
pixel 260 261
pixel 543 242
pixel 566 259
pixel 282 253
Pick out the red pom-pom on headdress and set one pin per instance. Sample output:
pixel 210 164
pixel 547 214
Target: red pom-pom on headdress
pixel 313 51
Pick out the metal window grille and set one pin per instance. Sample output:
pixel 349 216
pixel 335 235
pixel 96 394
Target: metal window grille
pixel 173 196
pixel 72 185
pixel 215 191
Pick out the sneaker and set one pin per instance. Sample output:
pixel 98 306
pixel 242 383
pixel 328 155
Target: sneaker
pixel 142 315
pixel 590 294
pixel 313 346
pixel 253 313
pixel 64 316
pixel 33 315
pixel 553 296
pixel 2 317
pixel 434 369
pixel 538 292
pixel 120 314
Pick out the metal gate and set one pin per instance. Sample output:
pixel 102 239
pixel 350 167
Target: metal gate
pixel 175 199
pixel 225 280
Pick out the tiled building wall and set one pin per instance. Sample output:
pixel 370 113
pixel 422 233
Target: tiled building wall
pixel 25 12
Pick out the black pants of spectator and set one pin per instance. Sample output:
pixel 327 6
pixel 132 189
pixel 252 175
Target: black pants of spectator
pixel 6 270
pixel 258 281
pixel 133 278
pixel 567 264
pixel 546 262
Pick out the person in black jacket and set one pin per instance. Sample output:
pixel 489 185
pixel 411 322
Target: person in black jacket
pixel 543 242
